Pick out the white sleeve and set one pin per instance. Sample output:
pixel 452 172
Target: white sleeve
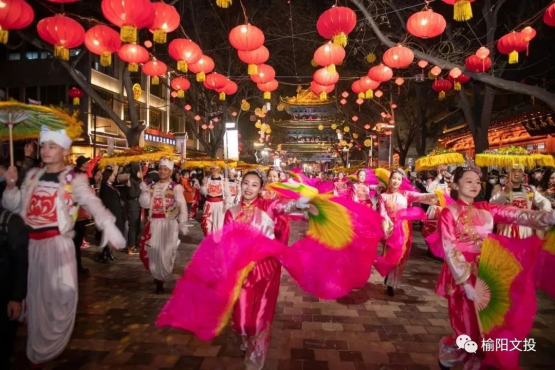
pixel 85 197
pixel 144 198
pixel 432 186
pixel 498 196
pixel 541 202
pixel 12 199
pixel 180 200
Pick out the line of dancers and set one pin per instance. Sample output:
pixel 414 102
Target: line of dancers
pixel 48 201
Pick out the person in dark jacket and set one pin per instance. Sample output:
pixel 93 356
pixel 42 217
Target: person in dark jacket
pixel 83 217
pixel 14 254
pixel 111 198
pixel 133 208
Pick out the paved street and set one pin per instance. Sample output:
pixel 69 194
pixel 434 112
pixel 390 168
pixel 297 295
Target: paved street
pixel 365 330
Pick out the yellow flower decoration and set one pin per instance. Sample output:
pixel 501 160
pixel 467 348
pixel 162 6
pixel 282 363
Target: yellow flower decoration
pixel 280 107
pixel 258 124
pixel 338 131
pixel 355 136
pixel 268 131
pixel 245 106
pixel 333 126
pixel 346 129
pixel 320 127
pixel 371 58
pixel 367 142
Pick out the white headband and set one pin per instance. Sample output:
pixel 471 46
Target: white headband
pixel 58 136
pixel 166 162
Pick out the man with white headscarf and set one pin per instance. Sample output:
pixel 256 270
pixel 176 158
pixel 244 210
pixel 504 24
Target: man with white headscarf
pixel 48 201
pixel 168 218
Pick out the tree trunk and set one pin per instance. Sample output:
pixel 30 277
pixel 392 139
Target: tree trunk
pixel 403 156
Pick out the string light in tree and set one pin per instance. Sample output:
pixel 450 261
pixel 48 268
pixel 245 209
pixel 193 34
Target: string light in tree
pixel 14 15
pixel 399 81
pixel 102 41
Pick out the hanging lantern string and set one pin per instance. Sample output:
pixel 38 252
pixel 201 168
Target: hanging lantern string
pixel 244 11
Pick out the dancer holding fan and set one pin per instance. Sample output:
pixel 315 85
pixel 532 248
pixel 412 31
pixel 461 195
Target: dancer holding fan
pixel 394 208
pixel 464 228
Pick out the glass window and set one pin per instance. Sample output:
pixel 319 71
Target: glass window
pixel 174 123
pixel 53 95
pixel 156 119
pixel 157 90
pixel 45 55
pixel 32 55
pixel 541 146
pixel 14 56
pixel 108 97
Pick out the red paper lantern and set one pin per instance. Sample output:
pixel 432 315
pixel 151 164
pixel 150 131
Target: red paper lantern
pixel 173 94
pixel 187 107
pixel 399 81
pixel 422 63
pixel 197 118
pixel 185 52
pixel 14 15
pixel 368 85
pixel 215 81
pixel 458 81
pixel 426 24
pixel 441 86
pixel 357 89
pixel 380 73
pixel 62 32
pixel 549 16
pixel 455 73
pixel 393 106
pixel 267 88
pixel 482 52
pixel 354 118
pixel 336 23
pixel 204 126
pixel 203 66
pixel 367 127
pixel 462 9
pixel 230 88
pixel 512 44
pixel 436 71
pixel 102 41
pixel 76 94
pixel 147 43
pixel 322 90
pixel 325 77
pixel 329 55
pixel 180 84
pixel 398 57
pixel 129 16
pixel 134 55
pixel 265 74
pixel 246 37
pixel 63 1
pixel 253 58
pixel 155 69
pixel 166 19
pixel 476 64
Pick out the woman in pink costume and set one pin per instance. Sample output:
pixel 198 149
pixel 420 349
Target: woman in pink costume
pixel 361 191
pixel 255 308
pixel 463 226
pixel 394 208
pixel 282 228
pixel 341 186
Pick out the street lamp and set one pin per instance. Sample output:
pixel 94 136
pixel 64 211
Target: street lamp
pixel 346 150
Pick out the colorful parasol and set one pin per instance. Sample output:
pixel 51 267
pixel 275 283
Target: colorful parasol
pixel 137 154
pixel 439 157
pixel 511 156
pixel 20 121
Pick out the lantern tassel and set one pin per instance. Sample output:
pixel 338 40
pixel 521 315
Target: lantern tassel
pixel 441 95
pixel 457 86
pixel 361 95
pixel 222 96
pixel 180 93
pixel 133 67
pixel 268 95
pixel 331 68
pixel 369 94
pixel 128 34
pixel 3 36
pixel 340 39
pixel 463 10
pixel 61 52
pixel 224 3
pixel 160 36
pixel 323 95
pixel 106 59
pixel 313 63
pixel 201 77
pixel 155 80
pixel 513 57
pixel 76 101
pixel 253 69
pixel 182 66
